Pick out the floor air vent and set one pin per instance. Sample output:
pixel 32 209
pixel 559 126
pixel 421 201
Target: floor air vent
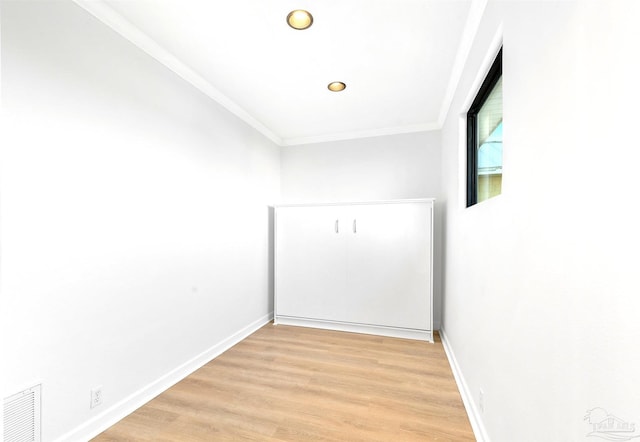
pixel 22 416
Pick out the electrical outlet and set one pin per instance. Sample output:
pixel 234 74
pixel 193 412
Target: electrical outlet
pixel 481 401
pixel 96 396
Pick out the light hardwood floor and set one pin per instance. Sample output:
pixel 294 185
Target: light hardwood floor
pixel 300 384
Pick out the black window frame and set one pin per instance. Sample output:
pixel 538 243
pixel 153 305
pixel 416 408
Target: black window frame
pixel 487 86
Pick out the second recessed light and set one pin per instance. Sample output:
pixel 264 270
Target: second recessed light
pixel 336 86
pixel 299 19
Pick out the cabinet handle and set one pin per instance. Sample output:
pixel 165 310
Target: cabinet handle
pixel 354 226
pixel 337 228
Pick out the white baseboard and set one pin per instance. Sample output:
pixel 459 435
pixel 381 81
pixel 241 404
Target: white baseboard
pixel 475 418
pixel 128 405
pixel 394 332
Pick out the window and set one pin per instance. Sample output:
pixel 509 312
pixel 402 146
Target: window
pixel 484 138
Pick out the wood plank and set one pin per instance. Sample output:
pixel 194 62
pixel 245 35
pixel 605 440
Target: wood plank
pixel 295 384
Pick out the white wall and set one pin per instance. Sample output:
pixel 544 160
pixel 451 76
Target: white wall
pixel 379 168
pixel 541 289
pixel 135 227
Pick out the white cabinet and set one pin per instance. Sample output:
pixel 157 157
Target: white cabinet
pixel 364 267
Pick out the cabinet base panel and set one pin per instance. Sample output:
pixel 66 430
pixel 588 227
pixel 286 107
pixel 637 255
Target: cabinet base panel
pixel 394 332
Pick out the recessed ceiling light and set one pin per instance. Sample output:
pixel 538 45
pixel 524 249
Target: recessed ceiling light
pixel 299 19
pixel 336 86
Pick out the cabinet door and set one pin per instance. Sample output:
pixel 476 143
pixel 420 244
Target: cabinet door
pixel 310 262
pixel 389 265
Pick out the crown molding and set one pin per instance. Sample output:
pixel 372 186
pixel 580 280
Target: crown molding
pixel 426 127
pixel 126 29
pixel 476 11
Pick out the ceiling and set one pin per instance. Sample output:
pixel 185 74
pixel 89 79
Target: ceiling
pixel 398 59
